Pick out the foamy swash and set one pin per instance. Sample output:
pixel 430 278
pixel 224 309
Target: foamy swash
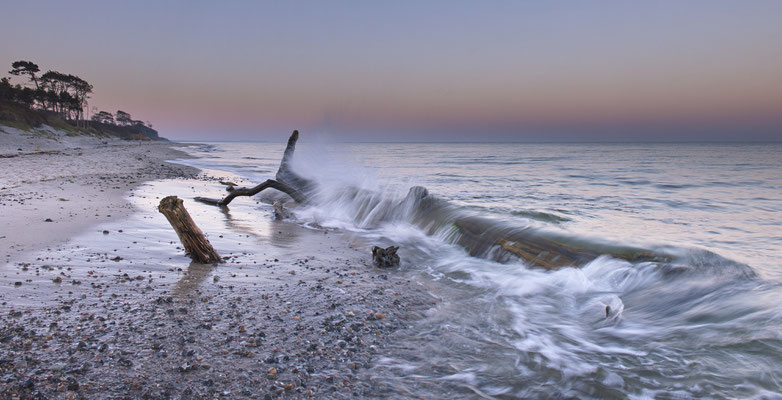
pixel 633 320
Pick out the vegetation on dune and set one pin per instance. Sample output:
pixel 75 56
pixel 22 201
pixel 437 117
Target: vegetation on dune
pixel 23 118
pixel 59 100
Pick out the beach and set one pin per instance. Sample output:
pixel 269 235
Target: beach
pixel 102 302
pixel 385 200
pixel 96 304
pixel 55 186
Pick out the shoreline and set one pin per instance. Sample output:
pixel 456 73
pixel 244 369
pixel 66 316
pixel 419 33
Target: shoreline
pixel 302 315
pixel 56 186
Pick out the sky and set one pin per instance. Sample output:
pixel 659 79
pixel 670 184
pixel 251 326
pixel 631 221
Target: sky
pixel 418 70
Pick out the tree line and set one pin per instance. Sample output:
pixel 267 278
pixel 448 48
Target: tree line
pixel 63 94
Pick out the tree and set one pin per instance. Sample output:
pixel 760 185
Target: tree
pixel 24 96
pixel 64 93
pixel 54 85
pixel 6 90
pixel 123 118
pixel 25 68
pixel 103 117
pixel 82 90
pixel 70 106
pixel 57 92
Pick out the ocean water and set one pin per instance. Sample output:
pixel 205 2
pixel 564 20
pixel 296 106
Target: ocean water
pixel 708 323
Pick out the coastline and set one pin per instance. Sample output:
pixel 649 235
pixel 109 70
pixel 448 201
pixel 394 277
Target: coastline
pixel 302 315
pixel 55 186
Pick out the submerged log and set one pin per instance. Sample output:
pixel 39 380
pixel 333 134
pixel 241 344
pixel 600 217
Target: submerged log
pixel 196 245
pixel 481 237
pixel 489 238
pixel 286 181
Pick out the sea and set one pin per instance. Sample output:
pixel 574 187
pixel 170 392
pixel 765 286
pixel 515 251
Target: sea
pixel 705 324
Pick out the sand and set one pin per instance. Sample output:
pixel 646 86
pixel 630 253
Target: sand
pixel 54 186
pixel 293 312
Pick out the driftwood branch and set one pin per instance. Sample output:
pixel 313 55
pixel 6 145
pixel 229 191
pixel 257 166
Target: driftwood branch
pixel 286 181
pixel 196 245
pixel 270 183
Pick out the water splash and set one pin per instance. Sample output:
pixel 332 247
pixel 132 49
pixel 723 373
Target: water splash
pixel 693 324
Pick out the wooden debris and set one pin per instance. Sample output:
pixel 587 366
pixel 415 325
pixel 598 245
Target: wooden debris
pixel 481 237
pixel 286 181
pixel 385 258
pixel 196 245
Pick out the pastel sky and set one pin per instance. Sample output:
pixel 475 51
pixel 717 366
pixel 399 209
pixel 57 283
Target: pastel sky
pixel 419 70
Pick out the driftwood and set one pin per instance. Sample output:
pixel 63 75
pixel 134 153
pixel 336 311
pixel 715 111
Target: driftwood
pixel 286 181
pixel 385 258
pixel 489 238
pixel 270 183
pixel 481 237
pixel 196 244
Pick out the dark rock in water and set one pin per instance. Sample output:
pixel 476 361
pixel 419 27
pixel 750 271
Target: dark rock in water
pixel 385 258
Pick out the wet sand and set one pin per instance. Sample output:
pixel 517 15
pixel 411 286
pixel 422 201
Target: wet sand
pixel 117 311
pixel 54 186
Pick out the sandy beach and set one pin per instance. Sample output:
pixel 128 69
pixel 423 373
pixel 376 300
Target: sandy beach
pixel 54 186
pixel 92 310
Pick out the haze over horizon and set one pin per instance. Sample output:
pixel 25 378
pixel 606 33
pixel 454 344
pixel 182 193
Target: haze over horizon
pixel 430 71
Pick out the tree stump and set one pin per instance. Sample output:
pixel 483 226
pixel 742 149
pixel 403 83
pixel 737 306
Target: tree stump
pixel 196 244
pixel 385 258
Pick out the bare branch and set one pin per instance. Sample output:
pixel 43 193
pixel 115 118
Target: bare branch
pixel 269 183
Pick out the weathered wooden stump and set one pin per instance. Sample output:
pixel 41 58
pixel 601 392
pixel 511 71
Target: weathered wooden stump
pixel 385 258
pixel 196 245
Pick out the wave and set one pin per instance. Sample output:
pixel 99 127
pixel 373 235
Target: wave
pixel 514 321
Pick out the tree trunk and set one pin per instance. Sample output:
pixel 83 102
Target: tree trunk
pixel 196 245
pixel 269 183
pixel 286 181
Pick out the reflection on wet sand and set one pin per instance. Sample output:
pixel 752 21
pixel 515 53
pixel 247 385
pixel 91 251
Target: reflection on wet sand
pixel 193 278
pixel 267 230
